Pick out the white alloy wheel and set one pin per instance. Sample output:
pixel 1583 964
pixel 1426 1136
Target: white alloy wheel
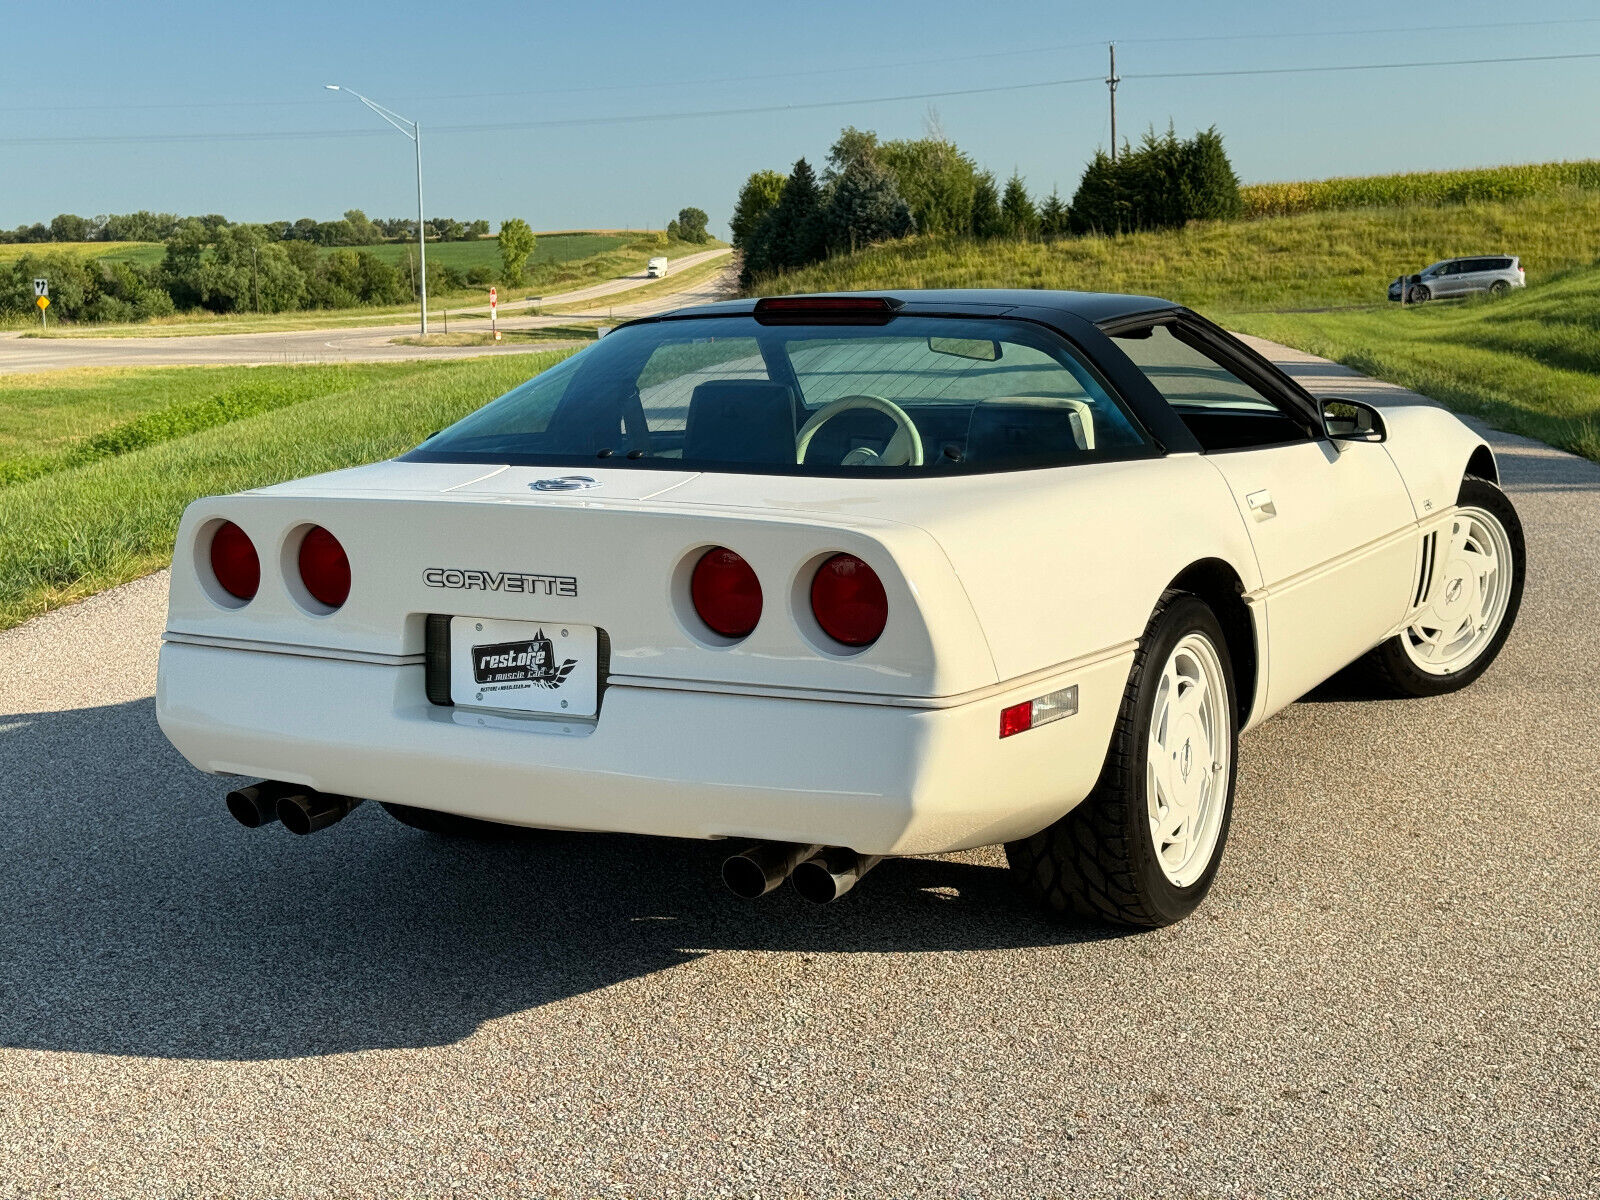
pixel 1469 596
pixel 1189 759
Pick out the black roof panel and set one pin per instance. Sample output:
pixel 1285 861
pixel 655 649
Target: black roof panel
pixel 1088 306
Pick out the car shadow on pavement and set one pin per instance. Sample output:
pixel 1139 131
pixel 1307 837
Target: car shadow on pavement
pixel 140 919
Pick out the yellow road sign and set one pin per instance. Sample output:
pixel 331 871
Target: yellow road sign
pixel 43 301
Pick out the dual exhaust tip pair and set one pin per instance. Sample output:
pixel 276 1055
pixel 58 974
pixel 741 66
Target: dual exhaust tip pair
pixel 301 810
pixel 821 874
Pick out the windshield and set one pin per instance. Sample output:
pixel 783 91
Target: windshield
pixel 907 394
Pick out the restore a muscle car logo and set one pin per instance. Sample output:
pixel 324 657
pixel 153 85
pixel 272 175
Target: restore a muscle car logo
pixel 531 662
pixel 500 581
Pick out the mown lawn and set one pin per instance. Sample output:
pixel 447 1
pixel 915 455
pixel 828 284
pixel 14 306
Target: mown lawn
pixel 1312 260
pixel 86 525
pixel 1529 363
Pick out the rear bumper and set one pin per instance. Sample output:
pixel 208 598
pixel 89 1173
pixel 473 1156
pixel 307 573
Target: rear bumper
pixel 877 778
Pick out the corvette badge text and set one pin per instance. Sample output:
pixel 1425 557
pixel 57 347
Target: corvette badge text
pixel 501 581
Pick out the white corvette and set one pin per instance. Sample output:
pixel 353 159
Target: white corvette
pixel 849 576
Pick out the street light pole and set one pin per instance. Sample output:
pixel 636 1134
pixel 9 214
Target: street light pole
pixel 413 131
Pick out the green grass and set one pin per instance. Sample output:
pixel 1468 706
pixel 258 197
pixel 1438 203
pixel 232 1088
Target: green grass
pixel 1308 261
pixel 86 526
pixel 485 252
pixel 1529 363
pixel 1419 187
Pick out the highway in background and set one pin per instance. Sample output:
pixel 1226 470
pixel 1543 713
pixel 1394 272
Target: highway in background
pixel 371 343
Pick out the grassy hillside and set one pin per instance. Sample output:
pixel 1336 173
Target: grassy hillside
pixel 1529 363
pixel 105 506
pixel 1312 260
pixel 1419 187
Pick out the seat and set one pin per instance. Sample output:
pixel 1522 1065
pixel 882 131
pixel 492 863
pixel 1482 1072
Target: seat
pixel 1026 426
pixel 740 420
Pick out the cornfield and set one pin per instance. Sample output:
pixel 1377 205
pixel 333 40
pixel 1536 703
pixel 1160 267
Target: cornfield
pixel 1486 184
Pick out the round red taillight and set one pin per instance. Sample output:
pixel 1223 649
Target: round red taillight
pixel 726 592
pixel 848 601
pixel 324 569
pixel 234 561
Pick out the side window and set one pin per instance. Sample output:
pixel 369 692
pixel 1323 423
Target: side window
pixel 1223 410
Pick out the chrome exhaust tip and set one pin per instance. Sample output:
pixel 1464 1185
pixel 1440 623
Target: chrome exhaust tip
pixel 304 811
pixel 825 877
pixel 756 871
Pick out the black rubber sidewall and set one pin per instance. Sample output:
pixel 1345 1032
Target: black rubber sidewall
pixel 1475 493
pixel 1167 900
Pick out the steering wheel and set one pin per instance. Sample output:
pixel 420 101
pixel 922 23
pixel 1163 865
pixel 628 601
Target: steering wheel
pixel 904 448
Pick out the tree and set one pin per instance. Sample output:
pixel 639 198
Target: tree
pixel 938 181
pixel 1017 212
pixel 865 207
pixel 674 231
pixel 516 244
pixel 756 199
pixel 984 220
pixel 66 227
pixel 692 224
pixel 790 235
pixel 852 146
pixel 477 230
pixel 362 231
pixel 1211 185
pixel 1052 216
pixel 1100 204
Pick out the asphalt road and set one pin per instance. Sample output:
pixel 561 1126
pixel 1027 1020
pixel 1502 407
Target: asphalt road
pixel 1393 991
pixel 370 343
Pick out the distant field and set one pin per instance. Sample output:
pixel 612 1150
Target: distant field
pixel 1312 260
pixel 1528 363
pixel 104 505
pixel 129 251
pixel 1420 187
pixel 463 256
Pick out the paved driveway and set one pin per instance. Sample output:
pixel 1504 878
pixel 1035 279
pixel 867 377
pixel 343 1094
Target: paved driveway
pixel 1392 991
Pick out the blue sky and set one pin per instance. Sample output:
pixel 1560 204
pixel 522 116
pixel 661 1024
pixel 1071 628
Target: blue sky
pixel 222 75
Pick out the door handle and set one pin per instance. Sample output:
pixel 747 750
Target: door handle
pixel 1261 505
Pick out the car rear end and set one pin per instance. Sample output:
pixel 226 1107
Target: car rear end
pixel 454 639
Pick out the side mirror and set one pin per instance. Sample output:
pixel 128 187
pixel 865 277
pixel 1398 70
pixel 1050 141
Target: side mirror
pixel 1351 421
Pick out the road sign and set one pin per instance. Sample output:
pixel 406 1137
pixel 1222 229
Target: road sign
pixel 41 288
pixel 43 302
pixel 494 313
pixel 494 297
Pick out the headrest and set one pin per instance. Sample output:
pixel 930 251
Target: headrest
pixel 740 420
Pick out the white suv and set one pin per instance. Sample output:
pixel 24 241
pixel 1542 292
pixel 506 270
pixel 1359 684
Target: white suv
pixel 1495 274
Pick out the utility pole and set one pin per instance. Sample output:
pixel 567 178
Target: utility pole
pixel 1111 83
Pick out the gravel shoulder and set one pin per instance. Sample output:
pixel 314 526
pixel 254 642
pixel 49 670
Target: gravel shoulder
pixel 1392 991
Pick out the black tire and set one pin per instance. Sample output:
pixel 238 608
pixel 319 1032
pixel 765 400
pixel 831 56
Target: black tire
pixel 1100 860
pixel 1420 294
pixel 446 824
pixel 1499 288
pixel 1390 670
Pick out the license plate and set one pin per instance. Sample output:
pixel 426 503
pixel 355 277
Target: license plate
pixel 525 666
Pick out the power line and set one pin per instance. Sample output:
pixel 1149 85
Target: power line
pixel 699 114
pixel 820 71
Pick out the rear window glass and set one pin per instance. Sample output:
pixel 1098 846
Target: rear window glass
pixel 909 394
